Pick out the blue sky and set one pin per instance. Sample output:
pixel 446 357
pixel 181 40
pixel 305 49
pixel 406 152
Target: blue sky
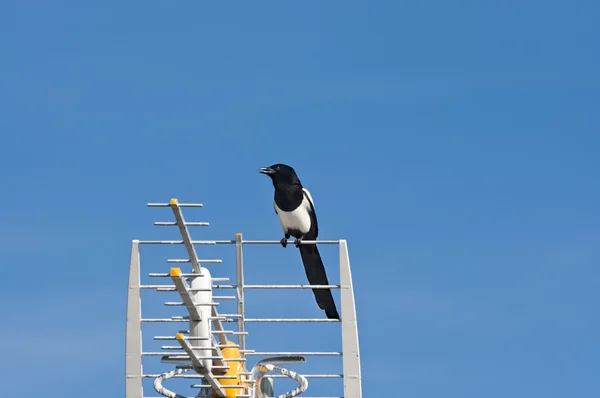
pixel 453 144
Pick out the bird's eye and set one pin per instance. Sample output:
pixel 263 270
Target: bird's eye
pixel 277 168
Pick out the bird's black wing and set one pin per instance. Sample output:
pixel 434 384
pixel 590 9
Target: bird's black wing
pixel 313 265
pixel 314 225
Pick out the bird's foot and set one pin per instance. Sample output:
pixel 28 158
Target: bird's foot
pixel 283 242
pixel 297 242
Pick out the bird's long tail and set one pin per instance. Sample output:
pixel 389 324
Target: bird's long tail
pixel 315 272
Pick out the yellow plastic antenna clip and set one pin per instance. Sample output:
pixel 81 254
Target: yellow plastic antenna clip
pixel 173 202
pixel 235 368
pixel 175 271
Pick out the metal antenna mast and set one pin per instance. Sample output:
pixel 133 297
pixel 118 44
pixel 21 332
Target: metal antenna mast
pixel 204 351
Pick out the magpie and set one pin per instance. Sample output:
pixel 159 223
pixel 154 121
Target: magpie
pixel 296 211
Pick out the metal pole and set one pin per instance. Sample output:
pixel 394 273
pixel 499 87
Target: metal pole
pixel 185 234
pixel 239 266
pixel 351 358
pixel 133 349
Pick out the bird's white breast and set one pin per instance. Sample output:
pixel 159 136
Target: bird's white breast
pixel 298 219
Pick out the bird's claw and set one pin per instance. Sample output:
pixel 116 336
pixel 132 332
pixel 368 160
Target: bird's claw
pixel 297 242
pixel 283 242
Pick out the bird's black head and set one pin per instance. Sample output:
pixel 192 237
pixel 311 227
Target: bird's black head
pixel 280 174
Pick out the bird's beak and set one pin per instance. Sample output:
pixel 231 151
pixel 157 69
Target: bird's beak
pixel 266 170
